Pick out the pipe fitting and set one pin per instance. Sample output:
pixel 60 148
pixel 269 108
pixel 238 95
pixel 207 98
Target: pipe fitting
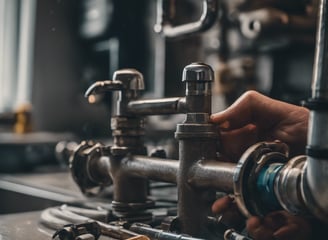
pixel 288 186
pixel 253 178
pixel 89 166
pixel 198 78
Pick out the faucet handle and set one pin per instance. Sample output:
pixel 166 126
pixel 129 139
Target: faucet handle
pixel 130 78
pixel 198 72
pixel 125 79
pixel 198 78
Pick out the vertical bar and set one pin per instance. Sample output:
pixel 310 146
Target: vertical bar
pixel 26 51
pixel 320 68
pixel 2 34
pixel 8 50
pixel 315 191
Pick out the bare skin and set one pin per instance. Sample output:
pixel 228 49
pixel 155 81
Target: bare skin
pixel 253 118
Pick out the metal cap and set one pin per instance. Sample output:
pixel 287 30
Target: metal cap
pixel 198 72
pixel 131 78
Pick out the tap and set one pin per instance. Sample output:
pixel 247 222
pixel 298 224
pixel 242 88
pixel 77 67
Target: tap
pixel 125 165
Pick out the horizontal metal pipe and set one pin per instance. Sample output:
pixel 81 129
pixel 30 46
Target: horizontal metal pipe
pixel 205 174
pixel 158 106
pixel 149 167
pixel 213 174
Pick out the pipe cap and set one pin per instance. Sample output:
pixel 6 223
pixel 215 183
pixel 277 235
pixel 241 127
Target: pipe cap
pixel 198 72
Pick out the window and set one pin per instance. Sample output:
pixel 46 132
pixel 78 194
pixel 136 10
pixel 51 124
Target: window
pixel 17 23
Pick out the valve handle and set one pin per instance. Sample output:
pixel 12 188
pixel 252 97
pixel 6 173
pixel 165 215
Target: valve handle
pixel 125 79
pixel 103 87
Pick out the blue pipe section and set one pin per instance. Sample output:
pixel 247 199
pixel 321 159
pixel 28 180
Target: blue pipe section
pixel 265 185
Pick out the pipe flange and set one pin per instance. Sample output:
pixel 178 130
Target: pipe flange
pixel 247 172
pixel 196 126
pixel 86 155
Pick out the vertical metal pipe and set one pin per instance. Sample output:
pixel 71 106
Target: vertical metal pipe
pixel 320 69
pixel 315 191
pixel 194 203
pixel 197 140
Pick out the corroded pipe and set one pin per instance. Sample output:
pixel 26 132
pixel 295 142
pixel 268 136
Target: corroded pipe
pixel 213 174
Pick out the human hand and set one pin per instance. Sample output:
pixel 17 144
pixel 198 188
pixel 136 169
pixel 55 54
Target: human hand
pixel 255 117
pixel 279 225
pixel 228 212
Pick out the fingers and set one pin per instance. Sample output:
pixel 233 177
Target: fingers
pixel 275 220
pixel 235 142
pixel 241 112
pixel 222 204
pixel 229 116
pixel 288 232
pixel 293 228
pixel 252 107
pixel 229 213
pixel 258 230
pixel 279 225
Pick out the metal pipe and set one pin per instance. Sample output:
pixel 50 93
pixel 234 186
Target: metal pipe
pixel 158 234
pixel 287 186
pixel 197 140
pixel 320 71
pixel 213 174
pixel 150 167
pixel 158 106
pixel 315 177
pixel 203 174
pixel 194 203
pixel 207 19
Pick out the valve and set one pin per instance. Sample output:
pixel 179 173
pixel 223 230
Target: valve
pixel 198 78
pixel 129 83
pixel 85 162
pixel 253 187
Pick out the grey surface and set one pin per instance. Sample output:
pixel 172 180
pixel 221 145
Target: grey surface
pixel 25 226
pixel 30 192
